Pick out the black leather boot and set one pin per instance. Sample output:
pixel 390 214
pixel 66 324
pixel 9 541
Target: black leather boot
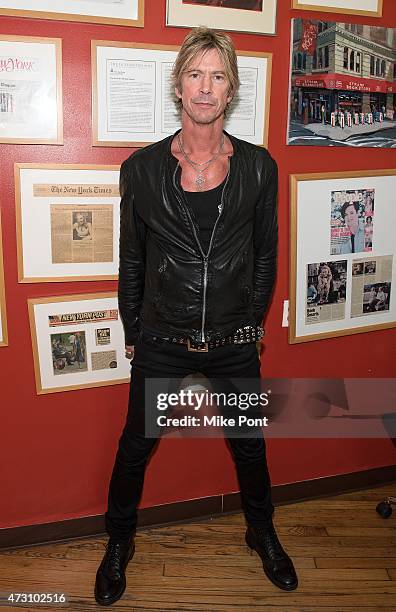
pixel 110 577
pixel 277 565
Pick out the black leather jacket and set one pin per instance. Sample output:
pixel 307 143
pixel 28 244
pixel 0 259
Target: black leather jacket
pixel 166 282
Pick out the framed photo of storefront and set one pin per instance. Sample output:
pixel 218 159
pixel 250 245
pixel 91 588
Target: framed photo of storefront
pixel 342 87
pixel 371 8
pixel 3 313
pixel 134 102
pixel 343 254
pixel 67 222
pixel 31 90
pixel 115 12
pixel 77 341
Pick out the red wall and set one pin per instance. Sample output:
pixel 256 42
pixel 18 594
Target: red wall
pixel 58 449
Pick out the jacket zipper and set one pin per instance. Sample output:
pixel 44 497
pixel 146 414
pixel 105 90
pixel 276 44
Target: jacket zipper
pixel 205 257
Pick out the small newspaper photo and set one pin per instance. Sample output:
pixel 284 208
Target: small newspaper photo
pixel 326 291
pixel 17 100
pixel 69 353
pixel 351 224
pixel 102 336
pixel 371 285
pixel 81 234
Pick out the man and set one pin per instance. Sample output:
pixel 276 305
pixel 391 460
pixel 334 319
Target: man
pixel 198 240
pixel 355 242
pixel 311 293
pixel 368 237
pixel 372 299
pixel 325 282
pixel 381 299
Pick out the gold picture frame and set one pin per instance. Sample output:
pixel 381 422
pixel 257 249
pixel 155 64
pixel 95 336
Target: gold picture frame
pixel 42 347
pixel 3 310
pixel 52 81
pixel 103 52
pixel 331 8
pixel 77 175
pixel 46 12
pixel 311 196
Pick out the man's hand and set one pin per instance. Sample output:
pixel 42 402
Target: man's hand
pixel 129 351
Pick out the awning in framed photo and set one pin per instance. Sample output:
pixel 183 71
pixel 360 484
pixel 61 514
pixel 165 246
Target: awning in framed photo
pixel 67 222
pixel 371 8
pixel 31 90
pixel 343 254
pixel 342 91
pixel 3 313
pixel 77 341
pixel 256 16
pixel 115 12
pixel 134 103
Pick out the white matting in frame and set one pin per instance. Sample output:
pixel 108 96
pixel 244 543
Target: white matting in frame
pixel 334 291
pixel 134 102
pixel 67 222
pixel 256 16
pixel 3 313
pixel 78 342
pixel 371 8
pixel 116 12
pixel 31 90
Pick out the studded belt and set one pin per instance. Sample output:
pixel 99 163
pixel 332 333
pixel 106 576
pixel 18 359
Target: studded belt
pixel 243 335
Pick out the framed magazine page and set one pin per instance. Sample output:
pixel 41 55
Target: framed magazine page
pixel 67 222
pixel 134 102
pixel 31 90
pixel 256 16
pixel 3 313
pixel 116 12
pixel 78 342
pixel 343 254
pixel 371 8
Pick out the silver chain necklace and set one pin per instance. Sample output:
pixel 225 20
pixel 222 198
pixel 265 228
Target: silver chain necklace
pixel 200 180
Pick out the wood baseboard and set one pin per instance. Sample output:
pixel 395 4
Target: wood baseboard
pixel 72 529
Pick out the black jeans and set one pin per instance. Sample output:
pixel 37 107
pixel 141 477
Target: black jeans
pixel 166 360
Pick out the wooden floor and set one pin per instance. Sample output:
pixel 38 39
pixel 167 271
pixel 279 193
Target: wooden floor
pixel 344 553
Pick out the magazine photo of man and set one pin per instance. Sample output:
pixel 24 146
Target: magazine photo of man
pixel 355 243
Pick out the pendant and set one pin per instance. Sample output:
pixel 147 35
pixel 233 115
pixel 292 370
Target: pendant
pixel 200 181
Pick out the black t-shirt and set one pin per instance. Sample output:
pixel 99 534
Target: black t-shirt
pixel 205 206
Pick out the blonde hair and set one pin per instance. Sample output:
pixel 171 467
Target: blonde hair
pixel 204 39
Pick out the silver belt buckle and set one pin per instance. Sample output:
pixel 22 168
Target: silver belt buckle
pixel 197 350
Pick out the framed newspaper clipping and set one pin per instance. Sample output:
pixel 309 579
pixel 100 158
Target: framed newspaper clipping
pixel 256 16
pixel 3 313
pixel 31 90
pixel 67 222
pixel 343 254
pixel 371 8
pixel 116 12
pixel 78 342
pixel 134 102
